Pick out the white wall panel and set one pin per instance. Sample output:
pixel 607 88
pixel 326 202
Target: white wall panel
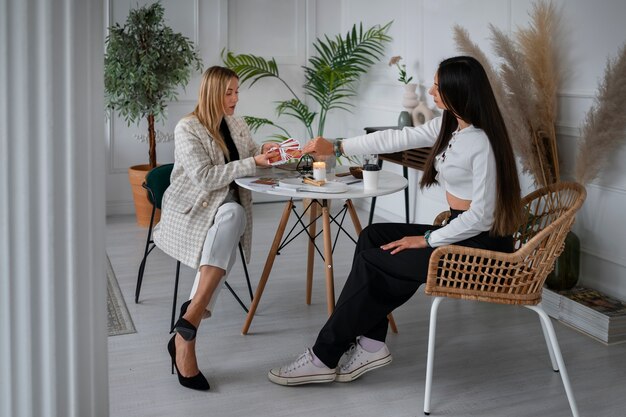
pixel 440 18
pixel 268 28
pixel 271 29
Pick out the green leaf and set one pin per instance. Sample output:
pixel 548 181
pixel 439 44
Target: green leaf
pixel 250 67
pixel 331 76
pixel 255 123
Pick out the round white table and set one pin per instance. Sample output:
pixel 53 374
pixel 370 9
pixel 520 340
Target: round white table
pixel 388 183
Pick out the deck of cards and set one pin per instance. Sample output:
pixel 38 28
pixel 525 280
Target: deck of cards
pixel 288 149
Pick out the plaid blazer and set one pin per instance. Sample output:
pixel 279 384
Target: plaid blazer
pixel 198 186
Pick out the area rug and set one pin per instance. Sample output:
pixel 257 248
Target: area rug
pixel 119 320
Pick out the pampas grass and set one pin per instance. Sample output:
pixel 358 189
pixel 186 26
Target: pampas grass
pixel 466 46
pixel 526 84
pixel 516 126
pixel 522 106
pixel 537 45
pixel 605 123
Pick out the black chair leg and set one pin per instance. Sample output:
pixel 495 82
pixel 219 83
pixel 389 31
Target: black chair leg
pixel 236 297
pixel 142 266
pixel 175 296
pixel 146 252
pixel 245 270
pixel 405 173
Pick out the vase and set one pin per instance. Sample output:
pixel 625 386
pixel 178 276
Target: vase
pixel 567 266
pixel 421 114
pixel 409 98
pixel 404 119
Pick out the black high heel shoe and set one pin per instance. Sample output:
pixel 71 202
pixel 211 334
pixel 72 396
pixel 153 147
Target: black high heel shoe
pixel 197 381
pixel 187 332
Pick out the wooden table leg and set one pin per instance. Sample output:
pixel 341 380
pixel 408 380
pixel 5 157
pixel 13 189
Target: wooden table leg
pixel 311 250
pixel 268 265
pixel 328 259
pixel 392 323
pixel 355 217
pixel 357 227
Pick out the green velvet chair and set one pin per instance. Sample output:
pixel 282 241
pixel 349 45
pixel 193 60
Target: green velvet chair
pixel 157 181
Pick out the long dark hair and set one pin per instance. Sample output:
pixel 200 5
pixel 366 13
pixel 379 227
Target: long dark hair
pixel 466 93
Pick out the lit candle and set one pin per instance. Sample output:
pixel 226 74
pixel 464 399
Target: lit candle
pixel 319 171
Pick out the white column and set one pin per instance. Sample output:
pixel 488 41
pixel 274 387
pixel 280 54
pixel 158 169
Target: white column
pixel 53 348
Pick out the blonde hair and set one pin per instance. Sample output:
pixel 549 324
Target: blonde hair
pixel 210 107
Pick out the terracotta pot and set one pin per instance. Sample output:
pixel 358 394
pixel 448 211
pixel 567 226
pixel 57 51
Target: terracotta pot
pixel 143 207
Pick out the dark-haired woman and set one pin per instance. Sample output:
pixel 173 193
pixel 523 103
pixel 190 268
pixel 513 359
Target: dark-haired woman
pixel 472 159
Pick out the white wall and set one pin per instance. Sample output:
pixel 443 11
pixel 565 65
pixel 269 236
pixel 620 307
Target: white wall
pixel 285 29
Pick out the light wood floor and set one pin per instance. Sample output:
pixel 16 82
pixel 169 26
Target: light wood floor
pixel 490 360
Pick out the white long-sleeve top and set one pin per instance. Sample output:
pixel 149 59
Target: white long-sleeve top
pixel 466 169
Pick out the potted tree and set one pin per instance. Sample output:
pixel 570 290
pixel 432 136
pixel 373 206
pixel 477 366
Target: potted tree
pixel 145 62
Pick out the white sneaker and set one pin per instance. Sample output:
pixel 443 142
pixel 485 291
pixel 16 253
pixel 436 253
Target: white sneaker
pixel 302 371
pixel 358 361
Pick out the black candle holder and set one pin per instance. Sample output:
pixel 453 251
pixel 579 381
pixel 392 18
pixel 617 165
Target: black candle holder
pixel 305 164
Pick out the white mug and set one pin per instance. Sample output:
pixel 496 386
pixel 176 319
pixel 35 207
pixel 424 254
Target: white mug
pixel 370 177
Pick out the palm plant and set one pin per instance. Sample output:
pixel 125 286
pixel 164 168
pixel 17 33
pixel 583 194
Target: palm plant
pixel 330 77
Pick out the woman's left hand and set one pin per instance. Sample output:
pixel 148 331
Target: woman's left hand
pixel 407 242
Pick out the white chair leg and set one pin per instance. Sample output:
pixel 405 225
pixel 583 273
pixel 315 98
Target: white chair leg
pixel 555 366
pixel 431 352
pixel 559 358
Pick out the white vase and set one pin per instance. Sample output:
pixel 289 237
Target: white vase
pixel 421 114
pixel 410 99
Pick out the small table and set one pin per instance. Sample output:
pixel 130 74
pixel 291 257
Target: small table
pixel 388 183
pixel 411 158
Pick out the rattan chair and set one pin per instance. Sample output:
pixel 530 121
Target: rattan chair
pixel 509 278
pixel 157 181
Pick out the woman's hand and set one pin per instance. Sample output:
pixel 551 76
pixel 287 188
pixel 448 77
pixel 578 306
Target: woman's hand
pixel 407 242
pixel 268 146
pixel 263 159
pixel 319 147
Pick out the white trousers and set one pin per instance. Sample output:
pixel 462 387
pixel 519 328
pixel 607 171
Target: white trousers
pixel 220 245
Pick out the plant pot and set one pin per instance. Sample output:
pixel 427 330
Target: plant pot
pixel 143 207
pixel 567 266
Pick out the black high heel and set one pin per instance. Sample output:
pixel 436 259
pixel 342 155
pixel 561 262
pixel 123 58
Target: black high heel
pixel 188 332
pixel 197 382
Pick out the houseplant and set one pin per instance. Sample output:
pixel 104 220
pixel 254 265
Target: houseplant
pixel 145 62
pixel 330 76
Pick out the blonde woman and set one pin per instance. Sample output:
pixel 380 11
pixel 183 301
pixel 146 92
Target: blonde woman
pixel 204 213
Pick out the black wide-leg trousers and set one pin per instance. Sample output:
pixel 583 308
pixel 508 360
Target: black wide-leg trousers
pixel 379 283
